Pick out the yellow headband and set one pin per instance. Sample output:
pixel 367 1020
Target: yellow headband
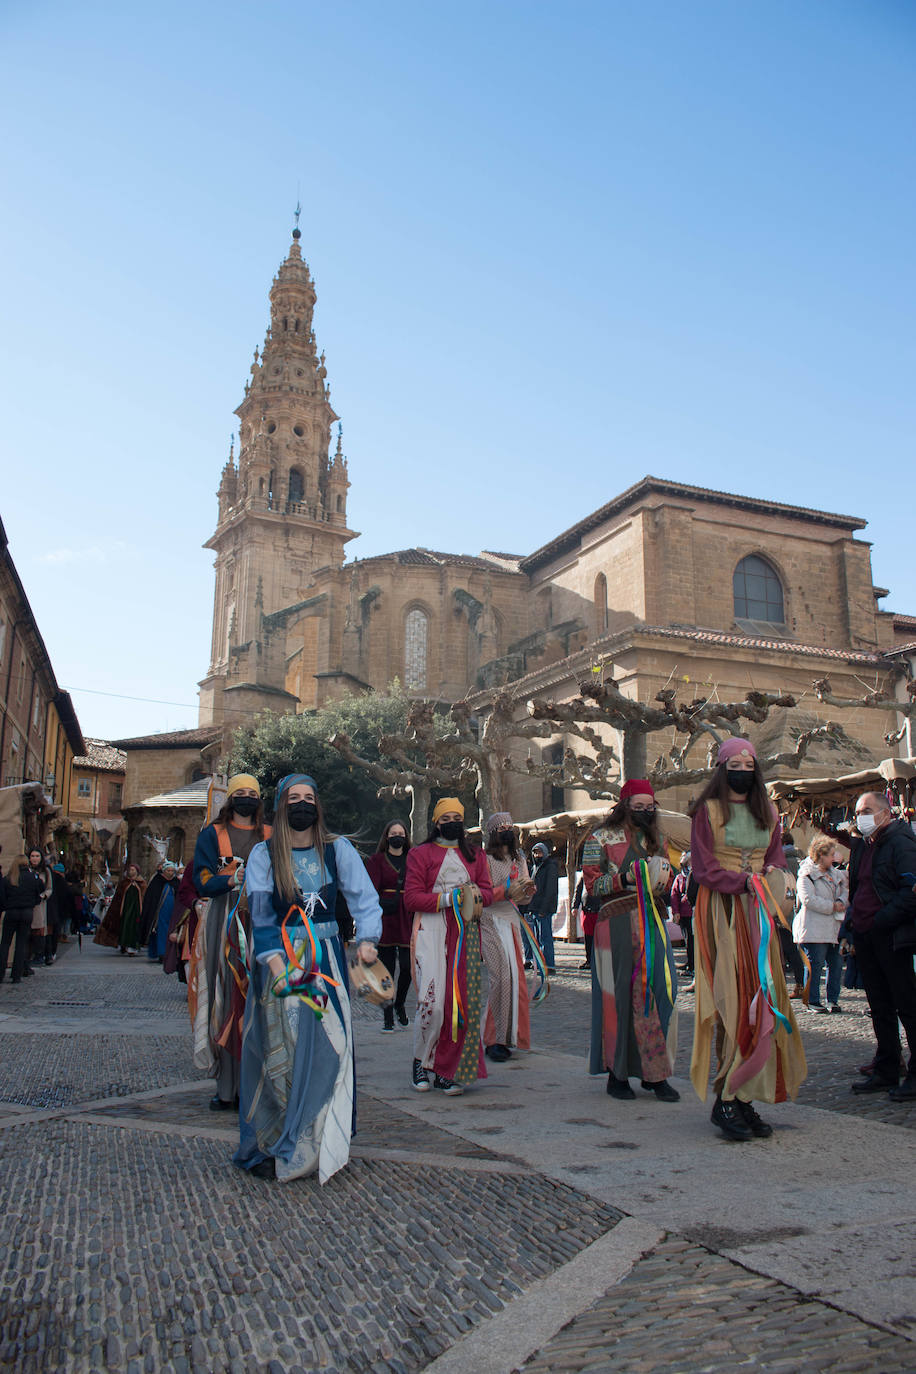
pixel 242 780
pixel 445 804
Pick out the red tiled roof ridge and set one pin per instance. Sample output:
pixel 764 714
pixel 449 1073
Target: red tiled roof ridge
pixel 201 734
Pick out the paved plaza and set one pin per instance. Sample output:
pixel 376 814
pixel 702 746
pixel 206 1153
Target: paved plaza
pixel 532 1224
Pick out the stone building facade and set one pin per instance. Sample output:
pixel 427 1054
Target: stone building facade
pixel 669 582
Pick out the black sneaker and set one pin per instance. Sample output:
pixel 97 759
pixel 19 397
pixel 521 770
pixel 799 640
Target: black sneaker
pixel 449 1086
pixel 401 1014
pixel 761 1129
pixel 730 1119
pixel 420 1077
pixel 265 1168
pixel 620 1088
pixel 388 1026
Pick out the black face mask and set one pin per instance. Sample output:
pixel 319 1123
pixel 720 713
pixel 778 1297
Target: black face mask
pixel 506 838
pixel 739 780
pixel 643 819
pixel 450 830
pixel 244 806
pixel 395 843
pixel 301 815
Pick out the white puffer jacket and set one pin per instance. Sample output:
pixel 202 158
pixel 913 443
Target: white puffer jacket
pixel 816 922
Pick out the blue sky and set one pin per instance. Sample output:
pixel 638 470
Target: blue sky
pixel 557 247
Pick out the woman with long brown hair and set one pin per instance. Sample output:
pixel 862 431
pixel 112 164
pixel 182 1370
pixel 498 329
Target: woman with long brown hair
pixel 387 868
pixel 741 996
pixel 634 981
pixel 297 1083
pixel 506 1020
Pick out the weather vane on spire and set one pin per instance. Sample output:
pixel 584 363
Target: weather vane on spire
pixel 297 233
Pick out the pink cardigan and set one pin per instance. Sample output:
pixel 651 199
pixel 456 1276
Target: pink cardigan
pixel 423 864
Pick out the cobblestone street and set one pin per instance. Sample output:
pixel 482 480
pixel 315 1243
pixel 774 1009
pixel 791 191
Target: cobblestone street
pixel 533 1223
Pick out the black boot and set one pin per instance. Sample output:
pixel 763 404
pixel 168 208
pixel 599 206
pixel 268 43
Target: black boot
pixel 620 1088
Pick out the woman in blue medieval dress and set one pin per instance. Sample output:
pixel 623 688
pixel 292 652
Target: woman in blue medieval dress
pixel 297 1084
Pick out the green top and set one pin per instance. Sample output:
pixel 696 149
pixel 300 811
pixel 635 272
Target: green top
pixel 742 830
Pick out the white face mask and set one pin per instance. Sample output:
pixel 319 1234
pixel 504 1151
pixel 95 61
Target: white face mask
pixel 865 824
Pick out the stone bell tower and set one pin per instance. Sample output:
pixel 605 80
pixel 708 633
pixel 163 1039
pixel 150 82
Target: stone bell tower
pixel 282 506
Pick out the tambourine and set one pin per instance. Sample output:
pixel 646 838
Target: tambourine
pixel 782 885
pixel 659 872
pixel 372 983
pixel 471 902
pixel 521 890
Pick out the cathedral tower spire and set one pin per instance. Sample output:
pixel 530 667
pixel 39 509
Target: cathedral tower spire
pixel 282 505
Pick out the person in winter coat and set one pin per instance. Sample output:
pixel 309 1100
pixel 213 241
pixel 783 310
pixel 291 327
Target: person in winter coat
pixel 820 913
pixel 387 868
pixel 543 905
pixel 882 922
pixel 20 892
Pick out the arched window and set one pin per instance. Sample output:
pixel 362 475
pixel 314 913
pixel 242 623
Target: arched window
pixel 296 485
pixel 600 604
pixel 758 591
pixel 416 643
pixel 339 504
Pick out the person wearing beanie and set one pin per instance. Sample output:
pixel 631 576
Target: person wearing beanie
pixel 741 996
pixel 446 953
pixel 543 905
pixel 634 979
pixel 217 979
pixel 506 1022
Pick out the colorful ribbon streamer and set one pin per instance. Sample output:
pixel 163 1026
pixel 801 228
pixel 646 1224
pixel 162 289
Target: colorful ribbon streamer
pixel 767 931
pixel 540 963
pixel 652 927
pixel 458 1015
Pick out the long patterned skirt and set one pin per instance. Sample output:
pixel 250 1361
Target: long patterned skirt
pixel 297 1084
pixel 447 1023
pixel 758 1046
pixel 506 1017
pixel 634 1022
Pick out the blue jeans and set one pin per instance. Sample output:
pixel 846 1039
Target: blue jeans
pixel 543 933
pixel 821 954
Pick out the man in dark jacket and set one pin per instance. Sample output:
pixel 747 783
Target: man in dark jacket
pixel 543 905
pixel 882 926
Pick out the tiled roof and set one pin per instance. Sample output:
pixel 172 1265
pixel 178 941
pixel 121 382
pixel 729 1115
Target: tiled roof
pixel 908 648
pixel 904 621
pixel 570 538
pixel 432 558
pixel 102 756
pixel 173 739
pixel 193 795
pixel 786 646
pixel 579 662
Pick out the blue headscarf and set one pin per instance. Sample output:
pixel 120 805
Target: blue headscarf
pixel 295 780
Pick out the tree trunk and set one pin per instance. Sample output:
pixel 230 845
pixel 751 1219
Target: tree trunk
pixel 632 754
pixel 420 798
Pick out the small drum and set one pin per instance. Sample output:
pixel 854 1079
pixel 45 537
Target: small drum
pixel 659 872
pixel 471 902
pixel 372 983
pixel 782 885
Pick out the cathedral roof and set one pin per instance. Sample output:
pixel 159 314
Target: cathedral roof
pixel 571 538
pixel 432 558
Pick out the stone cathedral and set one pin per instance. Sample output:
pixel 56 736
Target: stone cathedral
pixel 666 579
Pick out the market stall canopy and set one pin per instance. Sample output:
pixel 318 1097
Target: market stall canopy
pixel 839 790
